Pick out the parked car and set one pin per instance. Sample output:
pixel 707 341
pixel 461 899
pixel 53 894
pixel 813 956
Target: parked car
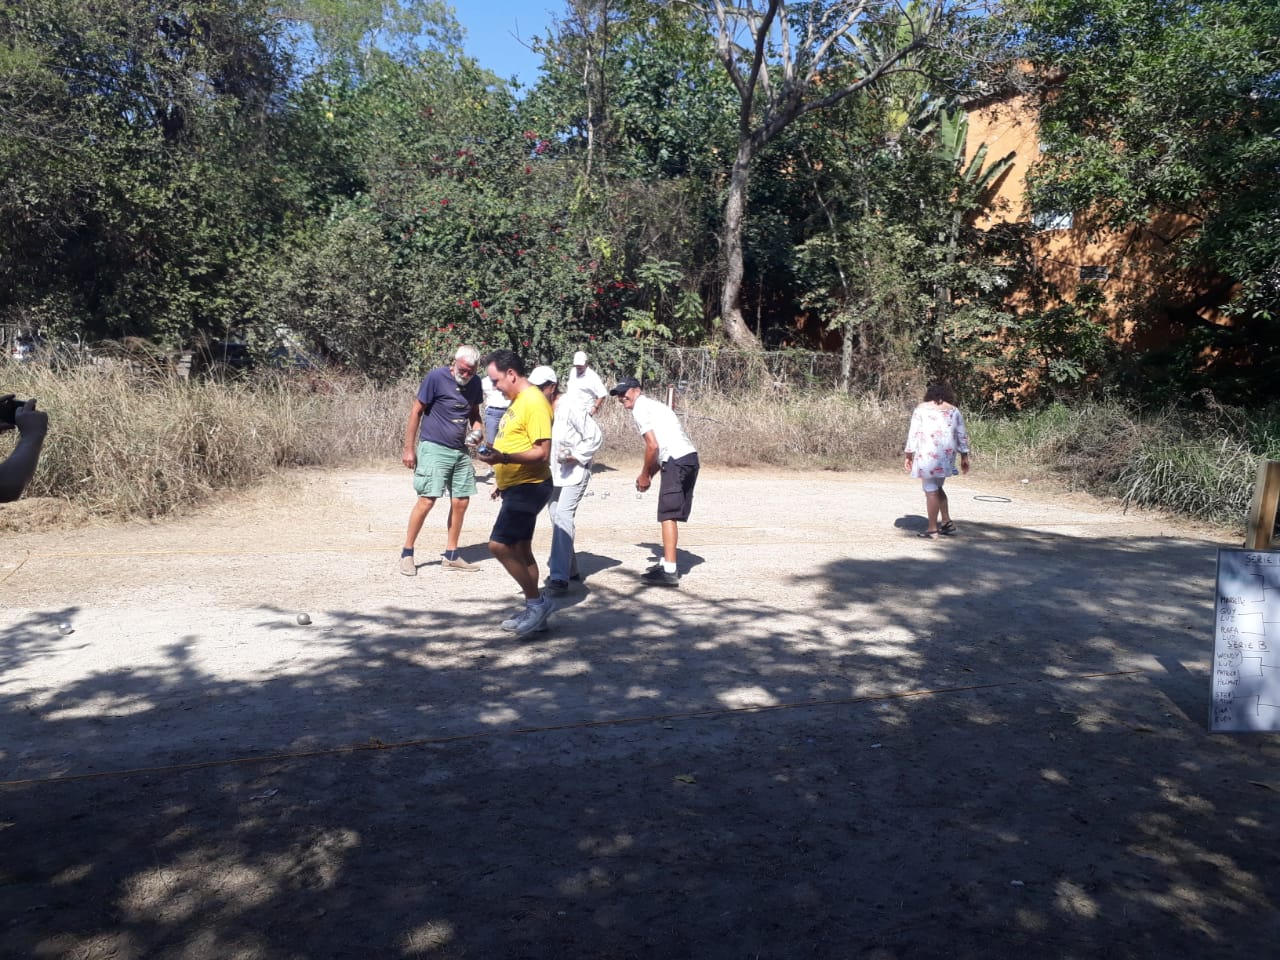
pixel 25 346
pixel 221 359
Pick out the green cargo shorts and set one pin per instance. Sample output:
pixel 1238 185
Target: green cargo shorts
pixel 443 468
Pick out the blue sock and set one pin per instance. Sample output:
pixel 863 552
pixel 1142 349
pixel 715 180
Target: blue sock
pixel 451 554
pixel 406 552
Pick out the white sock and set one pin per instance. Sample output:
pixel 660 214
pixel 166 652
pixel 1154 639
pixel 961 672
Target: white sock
pixel 669 567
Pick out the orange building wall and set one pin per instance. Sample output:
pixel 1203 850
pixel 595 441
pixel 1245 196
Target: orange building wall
pixel 1145 298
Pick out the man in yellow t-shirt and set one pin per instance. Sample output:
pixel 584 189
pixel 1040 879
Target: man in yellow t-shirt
pixel 521 458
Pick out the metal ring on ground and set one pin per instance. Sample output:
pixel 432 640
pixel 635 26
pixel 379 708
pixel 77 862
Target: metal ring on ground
pixel 992 498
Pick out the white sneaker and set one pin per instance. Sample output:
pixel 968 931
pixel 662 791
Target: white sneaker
pixel 534 619
pixel 513 623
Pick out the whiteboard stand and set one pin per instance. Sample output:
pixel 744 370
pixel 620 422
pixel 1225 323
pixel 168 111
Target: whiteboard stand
pixel 1262 512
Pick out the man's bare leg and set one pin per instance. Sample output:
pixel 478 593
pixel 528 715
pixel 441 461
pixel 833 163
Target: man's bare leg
pixel 417 517
pixel 517 559
pixel 457 511
pixel 670 537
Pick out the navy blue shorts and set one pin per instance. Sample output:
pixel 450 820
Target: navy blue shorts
pixel 518 515
pixel 675 494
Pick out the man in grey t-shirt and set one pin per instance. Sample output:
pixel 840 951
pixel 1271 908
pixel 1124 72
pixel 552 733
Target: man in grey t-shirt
pixel 667 449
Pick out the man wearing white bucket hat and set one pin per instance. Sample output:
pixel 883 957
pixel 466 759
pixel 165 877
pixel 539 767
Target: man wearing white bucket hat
pixel 584 386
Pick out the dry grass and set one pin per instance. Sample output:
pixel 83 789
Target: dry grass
pixel 826 431
pixel 1200 466
pixel 124 445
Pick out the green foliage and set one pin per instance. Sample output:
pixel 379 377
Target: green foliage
pixel 135 160
pixel 1033 356
pixel 879 296
pixel 1171 109
pixel 180 172
pixel 658 293
pixel 1208 478
pixel 902 269
pixel 461 224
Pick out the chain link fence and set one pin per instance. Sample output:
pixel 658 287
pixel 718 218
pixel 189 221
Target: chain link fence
pixel 702 370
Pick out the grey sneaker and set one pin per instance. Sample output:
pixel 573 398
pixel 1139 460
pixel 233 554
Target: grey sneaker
pixel 458 564
pixel 534 619
pixel 557 588
pixel 408 567
pixel 658 577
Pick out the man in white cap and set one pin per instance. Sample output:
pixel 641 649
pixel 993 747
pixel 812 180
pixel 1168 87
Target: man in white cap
pixel 575 438
pixel 584 385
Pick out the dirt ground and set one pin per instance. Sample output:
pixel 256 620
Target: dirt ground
pixel 834 740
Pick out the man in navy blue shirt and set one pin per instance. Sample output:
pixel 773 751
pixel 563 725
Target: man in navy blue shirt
pixel 444 418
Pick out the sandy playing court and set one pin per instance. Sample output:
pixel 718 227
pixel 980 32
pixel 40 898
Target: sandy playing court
pixel 835 740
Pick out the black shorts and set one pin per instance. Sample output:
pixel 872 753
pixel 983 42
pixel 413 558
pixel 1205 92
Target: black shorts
pixel 675 493
pixel 518 515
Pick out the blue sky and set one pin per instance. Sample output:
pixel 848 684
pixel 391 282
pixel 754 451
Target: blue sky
pixel 492 27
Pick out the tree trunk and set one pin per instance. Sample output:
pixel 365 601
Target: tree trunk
pixel 846 358
pixel 942 297
pixel 735 326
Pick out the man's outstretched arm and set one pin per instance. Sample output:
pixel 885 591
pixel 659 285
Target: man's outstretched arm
pixel 16 472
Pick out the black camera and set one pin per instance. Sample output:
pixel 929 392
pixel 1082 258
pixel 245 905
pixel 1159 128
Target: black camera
pixel 9 407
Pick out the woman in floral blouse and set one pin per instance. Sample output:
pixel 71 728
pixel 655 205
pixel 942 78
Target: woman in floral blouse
pixel 936 435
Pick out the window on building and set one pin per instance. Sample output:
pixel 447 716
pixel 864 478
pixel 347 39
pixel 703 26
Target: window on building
pixel 1095 273
pixel 1053 220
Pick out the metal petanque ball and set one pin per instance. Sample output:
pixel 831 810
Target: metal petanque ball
pixel 65 628
pixel 303 619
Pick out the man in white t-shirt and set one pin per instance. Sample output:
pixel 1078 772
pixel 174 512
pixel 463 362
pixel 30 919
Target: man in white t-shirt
pixel 584 386
pixel 495 408
pixel 667 448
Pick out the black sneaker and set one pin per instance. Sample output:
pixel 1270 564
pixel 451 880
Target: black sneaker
pixel 557 588
pixel 659 577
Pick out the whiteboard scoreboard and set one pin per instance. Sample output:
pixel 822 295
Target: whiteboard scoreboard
pixel 1246 642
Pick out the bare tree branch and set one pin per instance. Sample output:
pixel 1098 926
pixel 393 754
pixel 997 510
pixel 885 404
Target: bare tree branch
pixel 881 36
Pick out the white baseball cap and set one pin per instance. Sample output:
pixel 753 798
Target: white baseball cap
pixel 579 359
pixel 542 375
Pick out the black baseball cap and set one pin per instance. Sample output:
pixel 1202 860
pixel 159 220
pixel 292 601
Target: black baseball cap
pixel 623 385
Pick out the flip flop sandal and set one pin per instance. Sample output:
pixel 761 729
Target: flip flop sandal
pixel 948 529
pixel 927 535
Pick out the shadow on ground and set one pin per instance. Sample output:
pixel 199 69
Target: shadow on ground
pixel 973 753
